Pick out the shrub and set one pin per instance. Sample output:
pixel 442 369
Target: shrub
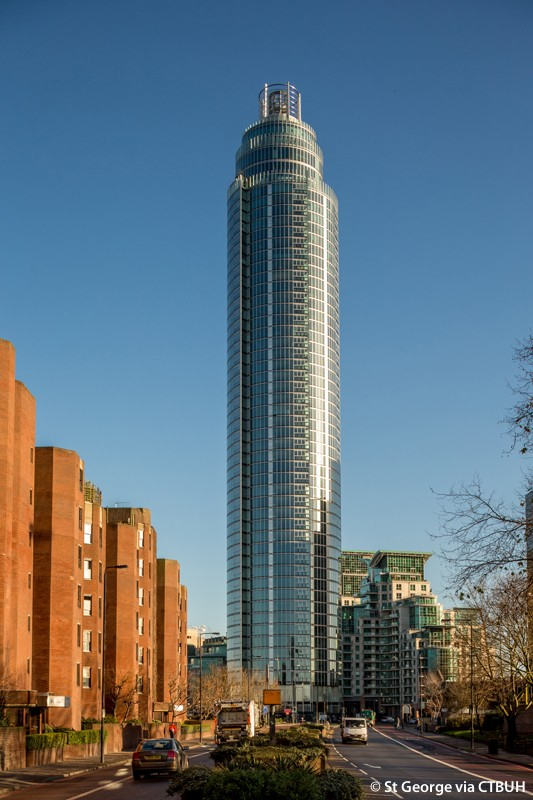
pixel 190 784
pixel 338 784
pixel 199 783
pixel 43 741
pixel 84 737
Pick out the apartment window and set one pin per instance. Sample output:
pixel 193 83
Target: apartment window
pixel 140 655
pixel 141 596
pixel 99 678
pixel 99 642
pixel 88 533
pixel 80 518
pixel 149 599
pixel 31 497
pixel 140 683
pixel 78 674
pixel 100 572
pixel 141 567
pixel 79 556
pixel 29 580
pixel 81 480
pixel 140 538
pixel 100 607
pixel 149 569
pixel 78 635
pixel 86 677
pixel 28 668
pixel 87 605
pixel 88 569
pixel 100 537
pixel 30 537
pixel 79 595
pixel 140 625
pixel 424 588
pixel 29 622
pixel 87 641
pixel 31 455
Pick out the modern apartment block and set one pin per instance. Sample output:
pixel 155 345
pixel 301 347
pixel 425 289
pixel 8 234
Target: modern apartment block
pixel 283 535
pixel 171 639
pixel 17 492
pixel 60 602
pixel 393 632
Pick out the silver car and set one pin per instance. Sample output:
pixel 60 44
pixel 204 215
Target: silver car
pixel 158 756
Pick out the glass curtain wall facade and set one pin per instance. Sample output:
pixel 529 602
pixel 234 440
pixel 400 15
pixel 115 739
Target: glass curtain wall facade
pixel 283 406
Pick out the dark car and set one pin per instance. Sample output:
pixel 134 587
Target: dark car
pixel 158 756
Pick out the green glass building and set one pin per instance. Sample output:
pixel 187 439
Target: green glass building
pixel 283 535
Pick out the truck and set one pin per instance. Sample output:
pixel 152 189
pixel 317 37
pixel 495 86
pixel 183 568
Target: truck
pixel 235 719
pixel 369 715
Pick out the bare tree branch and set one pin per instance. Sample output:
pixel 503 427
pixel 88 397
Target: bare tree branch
pixel 480 534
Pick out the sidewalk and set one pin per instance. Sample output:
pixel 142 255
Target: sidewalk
pixel 12 780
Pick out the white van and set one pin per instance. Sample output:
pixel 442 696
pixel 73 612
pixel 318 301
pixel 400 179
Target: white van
pixel 354 729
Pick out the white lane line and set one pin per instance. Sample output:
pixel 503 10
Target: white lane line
pixel 445 763
pixel 103 787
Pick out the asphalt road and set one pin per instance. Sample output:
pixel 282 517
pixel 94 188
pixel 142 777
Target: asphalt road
pixel 110 783
pixel 396 764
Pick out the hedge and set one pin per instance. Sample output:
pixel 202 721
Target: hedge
pixel 200 783
pixel 44 741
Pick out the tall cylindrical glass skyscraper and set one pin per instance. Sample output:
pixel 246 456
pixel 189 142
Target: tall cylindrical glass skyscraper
pixel 283 406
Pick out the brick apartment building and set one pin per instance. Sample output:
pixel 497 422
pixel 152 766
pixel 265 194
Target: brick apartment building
pixel 172 620
pixel 131 597
pixel 17 443
pixel 59 549
pixel 59 598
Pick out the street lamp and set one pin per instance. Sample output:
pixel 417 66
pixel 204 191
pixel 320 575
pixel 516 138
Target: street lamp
pixel 104 609
pixel 200 634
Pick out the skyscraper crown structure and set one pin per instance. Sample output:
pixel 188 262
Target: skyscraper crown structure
pixel 283 405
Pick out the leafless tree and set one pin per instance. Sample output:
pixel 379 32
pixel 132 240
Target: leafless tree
pixel 520 417
pixel 482 534
pixel 432 688
pixel 121 693
pixel 177 692
pixel 8 685
pixel 501 651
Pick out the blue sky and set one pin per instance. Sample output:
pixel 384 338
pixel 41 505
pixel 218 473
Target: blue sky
pixel 119 125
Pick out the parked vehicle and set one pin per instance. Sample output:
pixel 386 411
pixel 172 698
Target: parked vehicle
pixel 388 720
pixel 235 719
pixel 158 756
pixel 354 729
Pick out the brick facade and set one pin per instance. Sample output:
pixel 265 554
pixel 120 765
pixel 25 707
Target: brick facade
pixel 58 547
pixel 130 620
pixel 17 446
pixel 59 602
pixel 171 637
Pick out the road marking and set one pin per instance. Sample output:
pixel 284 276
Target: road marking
pixel 372 766
pixel 102 787
pixel 445 763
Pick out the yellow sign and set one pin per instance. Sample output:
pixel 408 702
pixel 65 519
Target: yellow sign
pixel 271 697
